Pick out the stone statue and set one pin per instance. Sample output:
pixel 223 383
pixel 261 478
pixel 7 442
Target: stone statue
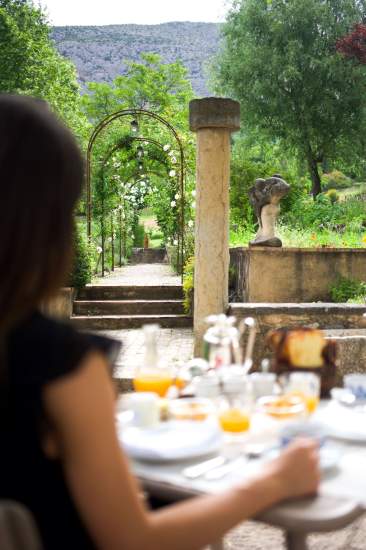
pixel 265 196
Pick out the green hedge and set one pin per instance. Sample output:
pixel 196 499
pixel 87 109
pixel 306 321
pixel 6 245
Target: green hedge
pixel 81 273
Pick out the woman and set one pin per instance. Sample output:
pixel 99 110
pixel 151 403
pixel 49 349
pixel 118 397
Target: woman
pixel 59 452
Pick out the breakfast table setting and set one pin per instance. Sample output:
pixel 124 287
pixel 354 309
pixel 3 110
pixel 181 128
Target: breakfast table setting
pixel 217 423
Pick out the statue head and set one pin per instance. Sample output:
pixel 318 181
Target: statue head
pixel 269 191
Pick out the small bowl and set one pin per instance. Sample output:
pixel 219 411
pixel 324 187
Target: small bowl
pixel 190 409
pixel 282 407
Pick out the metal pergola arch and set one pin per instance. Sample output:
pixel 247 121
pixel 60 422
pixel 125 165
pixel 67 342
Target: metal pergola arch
pixel 135 114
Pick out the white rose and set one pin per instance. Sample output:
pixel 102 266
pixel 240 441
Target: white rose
pixel 173 203
pixel 172 173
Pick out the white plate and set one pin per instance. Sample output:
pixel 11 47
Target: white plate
pixel 329 458
pixel 343 423
pixel 170 441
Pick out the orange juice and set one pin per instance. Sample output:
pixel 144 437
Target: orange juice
pixel 312 401
pixel 180 383
pixel 157 384
pixel 234 420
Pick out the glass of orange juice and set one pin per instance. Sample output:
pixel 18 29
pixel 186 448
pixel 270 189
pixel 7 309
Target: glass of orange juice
pixel 150 381
pixel 153 375
pixel 236 402
pixel 307 386
pixel 234 419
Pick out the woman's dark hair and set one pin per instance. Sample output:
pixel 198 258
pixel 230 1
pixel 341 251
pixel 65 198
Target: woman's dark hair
pixel 41 176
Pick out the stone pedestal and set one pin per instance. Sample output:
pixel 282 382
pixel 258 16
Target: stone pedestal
pixel 213 119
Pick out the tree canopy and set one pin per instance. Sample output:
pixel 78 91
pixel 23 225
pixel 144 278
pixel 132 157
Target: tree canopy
pixel 31 65
pixel 149 84
pixel 280 60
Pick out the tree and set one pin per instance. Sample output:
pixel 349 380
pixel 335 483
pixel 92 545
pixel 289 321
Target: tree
pixel 31 65
pixel 152 85
pixel 279 59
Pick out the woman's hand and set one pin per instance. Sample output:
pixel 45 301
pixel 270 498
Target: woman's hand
pixel 296 471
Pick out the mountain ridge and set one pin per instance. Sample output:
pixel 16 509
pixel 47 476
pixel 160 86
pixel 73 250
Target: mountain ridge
pixel 99 52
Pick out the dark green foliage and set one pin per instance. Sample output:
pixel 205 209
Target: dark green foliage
pixel 138 235
pixel 31 65
pixel 345 290
pixel 188 285
pixel 82 271
pixel 279 60
pixel 324 214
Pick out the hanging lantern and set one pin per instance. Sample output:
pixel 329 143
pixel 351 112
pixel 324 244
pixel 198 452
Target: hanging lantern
pixel 134 126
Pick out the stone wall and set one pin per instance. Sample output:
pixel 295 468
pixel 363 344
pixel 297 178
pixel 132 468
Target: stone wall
pixel 343 322
pixel 292 274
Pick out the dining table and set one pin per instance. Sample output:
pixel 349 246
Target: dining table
pixel 341 498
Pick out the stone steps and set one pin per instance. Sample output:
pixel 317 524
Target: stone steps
pixel 119 322
pixel 128 307
pixel 148 256
pixel 120 292
pixel 123 307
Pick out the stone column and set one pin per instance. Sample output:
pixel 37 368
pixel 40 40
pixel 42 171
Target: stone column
pixel 213 119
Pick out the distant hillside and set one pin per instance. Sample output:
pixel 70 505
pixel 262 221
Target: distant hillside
pixel 99 52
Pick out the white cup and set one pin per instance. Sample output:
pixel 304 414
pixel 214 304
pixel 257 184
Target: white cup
pixel 356 383
pixel 145 408
pixel 263 383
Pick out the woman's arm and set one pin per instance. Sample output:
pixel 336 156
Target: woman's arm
pixel 82 409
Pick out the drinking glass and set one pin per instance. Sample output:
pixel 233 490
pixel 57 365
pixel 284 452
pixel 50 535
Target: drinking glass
pixel 307 386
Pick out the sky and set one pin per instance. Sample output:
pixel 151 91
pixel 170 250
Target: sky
pixel 143 12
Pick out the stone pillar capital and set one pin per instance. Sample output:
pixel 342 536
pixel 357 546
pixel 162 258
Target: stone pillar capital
pixel 214 112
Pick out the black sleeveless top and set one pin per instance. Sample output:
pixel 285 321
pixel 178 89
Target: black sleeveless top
pixel 40 351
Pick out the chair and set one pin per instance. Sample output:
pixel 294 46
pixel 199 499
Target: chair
pixel 18 530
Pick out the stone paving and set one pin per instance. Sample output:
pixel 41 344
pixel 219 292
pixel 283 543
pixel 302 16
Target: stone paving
pixel 175 346
pixel 140 275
